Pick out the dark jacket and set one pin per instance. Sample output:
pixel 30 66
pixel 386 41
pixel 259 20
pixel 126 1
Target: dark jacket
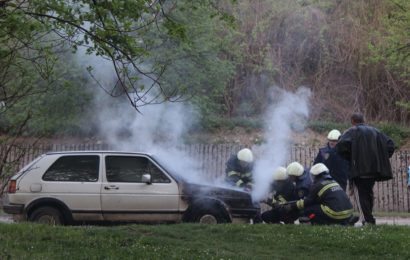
pixel 337 165
pixel 236 175
pixel 303 184
pixel 283 191
pixel 368 151
pixel 330 196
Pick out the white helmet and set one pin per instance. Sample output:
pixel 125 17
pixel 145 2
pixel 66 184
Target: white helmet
pixel 245 155
pixel 333 135
pixel 318 169
pixel 280 174
pixel 295 169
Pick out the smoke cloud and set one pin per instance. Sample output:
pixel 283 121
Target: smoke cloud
pixel 159 128
pixel 287 113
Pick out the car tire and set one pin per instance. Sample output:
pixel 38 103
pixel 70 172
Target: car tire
pixel 210 216
pixel 47 215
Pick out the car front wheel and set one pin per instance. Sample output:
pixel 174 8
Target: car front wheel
pixel 210 216
pixel 47 215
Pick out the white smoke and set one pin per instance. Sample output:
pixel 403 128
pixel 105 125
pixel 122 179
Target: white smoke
pixel 157 128
pixel 287 113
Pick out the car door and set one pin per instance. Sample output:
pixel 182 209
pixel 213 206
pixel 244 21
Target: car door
pixel 74 180
pixel 125 197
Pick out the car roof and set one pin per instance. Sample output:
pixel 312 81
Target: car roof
pixel 97 151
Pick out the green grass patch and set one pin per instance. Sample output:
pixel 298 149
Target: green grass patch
pixel 194 241
pixel 326 126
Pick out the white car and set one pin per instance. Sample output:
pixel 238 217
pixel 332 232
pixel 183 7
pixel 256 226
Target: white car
pixel 76 187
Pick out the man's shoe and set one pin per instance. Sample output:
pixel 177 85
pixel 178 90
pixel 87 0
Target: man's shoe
pixel 304 220
pixel 366 223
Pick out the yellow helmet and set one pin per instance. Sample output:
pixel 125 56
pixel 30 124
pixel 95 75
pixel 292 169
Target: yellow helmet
pixel 295 169
pixel 280 174
pixel 318 169
pixel 333 135
pixel 245 155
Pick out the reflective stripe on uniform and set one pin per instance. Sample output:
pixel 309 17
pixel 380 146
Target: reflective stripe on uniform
pixel 232 173
pixel 326 187
pixel 300 204
pixel 336 214
pixel 274 200
pixel 281 199
pixel 239 183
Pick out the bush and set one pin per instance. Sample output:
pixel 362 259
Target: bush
pixel 326 126
pixel 398 133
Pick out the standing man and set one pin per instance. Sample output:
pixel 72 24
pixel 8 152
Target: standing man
pixel 368 151
pixel 337 165
pixel 239 169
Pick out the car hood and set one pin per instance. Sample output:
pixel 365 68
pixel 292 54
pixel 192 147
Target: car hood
pixel 230 197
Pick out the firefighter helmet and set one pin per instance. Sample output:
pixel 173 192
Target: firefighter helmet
pixel 318 168
pixel 295 169
pixel 245 155
pixel 280 174
pixel 333 135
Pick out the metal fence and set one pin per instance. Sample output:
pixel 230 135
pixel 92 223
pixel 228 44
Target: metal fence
pixel 392 195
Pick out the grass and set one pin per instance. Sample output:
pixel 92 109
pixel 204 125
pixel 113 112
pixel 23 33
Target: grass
pixel 194 241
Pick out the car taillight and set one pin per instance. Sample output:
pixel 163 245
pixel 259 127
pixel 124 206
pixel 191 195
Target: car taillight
pixel 12 186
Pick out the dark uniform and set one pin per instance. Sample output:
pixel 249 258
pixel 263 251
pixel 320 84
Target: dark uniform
pixel 303 184
pixel 338 166
pixel 237 175
pixel 283 191
pixel 326 203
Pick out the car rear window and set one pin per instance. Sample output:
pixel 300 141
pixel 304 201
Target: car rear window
pixel 83 168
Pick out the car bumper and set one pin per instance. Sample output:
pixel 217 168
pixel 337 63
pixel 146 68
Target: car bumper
pixel 13 208
pixel 244 213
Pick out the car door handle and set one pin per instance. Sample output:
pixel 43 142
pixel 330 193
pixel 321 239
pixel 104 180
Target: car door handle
pixel 111 187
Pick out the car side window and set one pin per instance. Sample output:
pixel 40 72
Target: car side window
pixel 81 168
pixel 131 169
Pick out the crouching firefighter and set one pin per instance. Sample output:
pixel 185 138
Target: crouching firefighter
pixel 326 203
pixel 283 191
pixel 239 169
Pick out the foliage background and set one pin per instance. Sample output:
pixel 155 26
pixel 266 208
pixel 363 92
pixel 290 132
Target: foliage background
pixel 221 56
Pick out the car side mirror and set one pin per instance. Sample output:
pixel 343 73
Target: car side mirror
pixel 146 178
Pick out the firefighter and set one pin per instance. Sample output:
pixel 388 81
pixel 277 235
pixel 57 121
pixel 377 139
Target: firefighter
pixel 300 177
pixel 337 165
pixel 326 203
pixel 283 191
pixel 239 169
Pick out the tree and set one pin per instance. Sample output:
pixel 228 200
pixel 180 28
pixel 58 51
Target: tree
pixel 34 33
pixel 114 30
pixel 393 45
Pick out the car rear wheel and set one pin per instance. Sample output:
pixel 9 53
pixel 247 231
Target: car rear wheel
pixel 47 215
